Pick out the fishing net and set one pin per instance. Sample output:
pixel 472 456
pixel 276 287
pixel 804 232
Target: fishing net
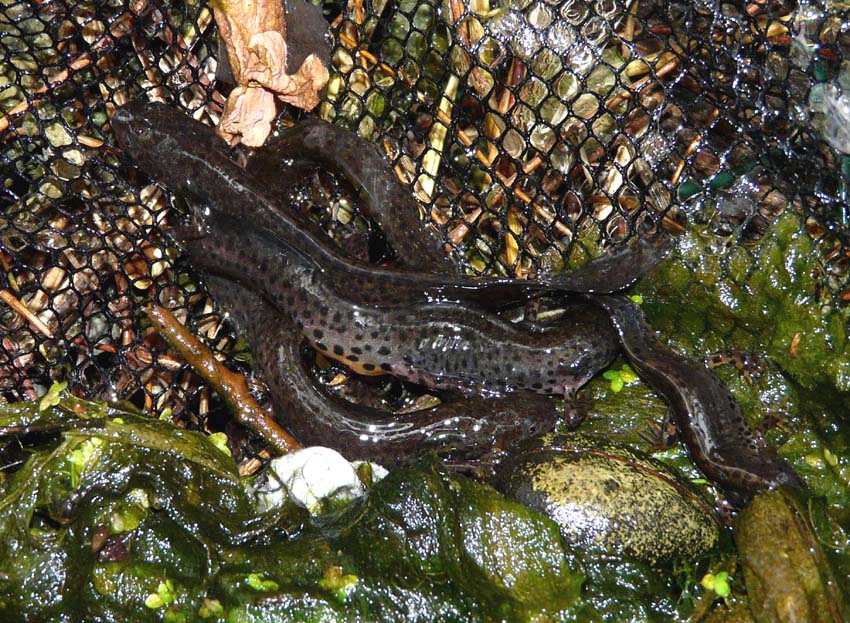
pixel 533 133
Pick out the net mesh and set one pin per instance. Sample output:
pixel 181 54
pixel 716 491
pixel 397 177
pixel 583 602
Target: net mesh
pixel 531 132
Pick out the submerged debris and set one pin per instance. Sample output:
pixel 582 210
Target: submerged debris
pixel 230 385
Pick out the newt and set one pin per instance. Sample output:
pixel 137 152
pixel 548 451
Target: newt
pixel 438 343
pixel 441 345
pixel 708 418
pixel 190 160
pixel 425 325
pixel 472 432
pixel 383 198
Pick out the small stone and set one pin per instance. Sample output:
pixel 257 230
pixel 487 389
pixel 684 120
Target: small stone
pixel 609 499
pixel 311 476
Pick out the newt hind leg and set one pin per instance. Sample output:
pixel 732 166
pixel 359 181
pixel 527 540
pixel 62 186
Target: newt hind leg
pixel 664 435
pixel 575 408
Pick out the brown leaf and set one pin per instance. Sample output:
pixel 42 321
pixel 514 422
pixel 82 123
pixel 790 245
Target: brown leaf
pixel 254 34
pixel 248 116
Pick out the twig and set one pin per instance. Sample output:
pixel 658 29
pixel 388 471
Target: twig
pixel 437 138
pixel 459 232
pixel 251 466
pixel 681 166
pixel 36 322
pixel 637 86
pixel 89 141
pixel 230 385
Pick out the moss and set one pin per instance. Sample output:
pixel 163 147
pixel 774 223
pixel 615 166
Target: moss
pixel 424 545
pixel 422 524
pixel 765 296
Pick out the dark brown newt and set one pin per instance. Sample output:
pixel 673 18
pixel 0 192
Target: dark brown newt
pixel 189 159
pixel 466 431
pixel 694 392
pixel 447 346
pixel 708 418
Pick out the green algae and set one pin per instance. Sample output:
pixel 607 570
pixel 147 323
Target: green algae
pixel 770 299
pixel 764 298
pixel 788 575
pixel 608 499
pixel 184 541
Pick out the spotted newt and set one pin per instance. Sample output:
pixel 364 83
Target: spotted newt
pixel 419 324
pixel 469 432
pixel 707 417
pixel 448 346
pixel 189 159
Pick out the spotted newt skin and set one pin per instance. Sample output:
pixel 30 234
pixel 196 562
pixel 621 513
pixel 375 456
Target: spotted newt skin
pixel 189 159
pixel 468 432
pixel 445 346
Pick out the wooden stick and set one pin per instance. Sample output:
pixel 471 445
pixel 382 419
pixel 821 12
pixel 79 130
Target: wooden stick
pixel 36 322
pixel 230 385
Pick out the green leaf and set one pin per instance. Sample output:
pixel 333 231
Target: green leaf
pixel 81 457
pixel 210 608
pixel 219 440
pixel 338 583
pixel 52 397
pixel 719 583
pixel 627 374
pixel 260 584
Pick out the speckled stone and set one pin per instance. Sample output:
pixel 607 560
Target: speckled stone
pixel 610 499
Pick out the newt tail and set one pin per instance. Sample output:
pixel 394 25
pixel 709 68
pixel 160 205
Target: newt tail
pixel 708 418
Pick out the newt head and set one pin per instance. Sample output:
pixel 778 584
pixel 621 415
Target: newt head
pixel 184 155
pixel 134 127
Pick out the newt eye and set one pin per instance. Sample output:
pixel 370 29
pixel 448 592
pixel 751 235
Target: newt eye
pixel 143 132
pixel 532 427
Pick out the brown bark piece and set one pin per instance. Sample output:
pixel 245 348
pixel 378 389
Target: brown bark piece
pixel 228 384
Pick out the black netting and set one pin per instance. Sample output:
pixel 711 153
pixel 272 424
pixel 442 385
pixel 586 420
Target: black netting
pixel 531 132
